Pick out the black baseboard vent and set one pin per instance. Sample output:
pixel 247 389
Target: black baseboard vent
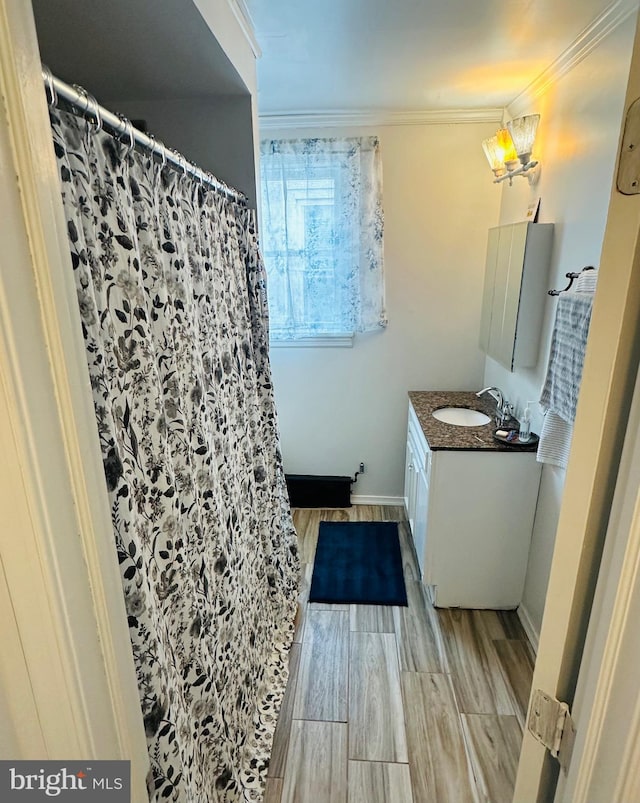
pixel 307 490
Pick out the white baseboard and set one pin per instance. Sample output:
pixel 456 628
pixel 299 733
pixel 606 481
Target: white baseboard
pixel 529 629
pixel 391 501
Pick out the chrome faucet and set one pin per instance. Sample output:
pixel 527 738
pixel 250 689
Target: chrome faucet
pixel 503 407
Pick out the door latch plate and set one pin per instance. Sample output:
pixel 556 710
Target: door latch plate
pixel 629 163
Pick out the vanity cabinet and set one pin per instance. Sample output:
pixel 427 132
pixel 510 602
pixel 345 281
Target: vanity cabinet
pixel 471 516
pixel 515 290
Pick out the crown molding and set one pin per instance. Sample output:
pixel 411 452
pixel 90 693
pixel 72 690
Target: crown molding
pixel 241 13
pixel 343 119
pixel 604 24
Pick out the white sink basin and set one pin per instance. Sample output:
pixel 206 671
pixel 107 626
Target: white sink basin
pixel 461 416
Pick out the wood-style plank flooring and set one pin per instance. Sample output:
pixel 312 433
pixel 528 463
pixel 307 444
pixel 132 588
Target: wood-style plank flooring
pixel 398 705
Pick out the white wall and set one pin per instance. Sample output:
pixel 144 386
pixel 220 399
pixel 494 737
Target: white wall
pixel 577 143
pixel 340 406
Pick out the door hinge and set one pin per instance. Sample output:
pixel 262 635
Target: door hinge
pixel 551 724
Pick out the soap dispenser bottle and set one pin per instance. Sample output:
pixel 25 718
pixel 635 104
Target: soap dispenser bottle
pixel 525 424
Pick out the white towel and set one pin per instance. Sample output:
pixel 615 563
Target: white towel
pixel 564 372
pixel 586 282
pixel 566 358
pixel 555 440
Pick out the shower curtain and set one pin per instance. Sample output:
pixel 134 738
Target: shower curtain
pixel 171 292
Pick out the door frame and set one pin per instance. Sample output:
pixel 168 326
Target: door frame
pixel 69 685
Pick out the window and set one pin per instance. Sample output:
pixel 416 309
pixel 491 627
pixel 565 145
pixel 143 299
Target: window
pixel 322 236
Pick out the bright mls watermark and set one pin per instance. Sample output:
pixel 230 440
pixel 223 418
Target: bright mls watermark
pixel 73 781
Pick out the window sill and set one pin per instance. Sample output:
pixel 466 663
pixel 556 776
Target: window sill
pixel 318 341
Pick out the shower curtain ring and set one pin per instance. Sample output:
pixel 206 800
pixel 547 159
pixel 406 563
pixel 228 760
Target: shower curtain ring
pixel 158 149
pixel 82 92
pixel 91 111
pixel 132 138
pixel 50 89
pixel 195 172
pixel 179 161
pixel 96 123
pixel 127 128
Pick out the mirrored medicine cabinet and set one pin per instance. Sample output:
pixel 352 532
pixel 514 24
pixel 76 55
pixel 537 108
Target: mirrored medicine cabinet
pixel 515 290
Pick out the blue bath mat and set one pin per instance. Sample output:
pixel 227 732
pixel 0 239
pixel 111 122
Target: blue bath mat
pixel 358 562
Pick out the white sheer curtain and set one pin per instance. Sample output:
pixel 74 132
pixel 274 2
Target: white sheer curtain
pixel 321 235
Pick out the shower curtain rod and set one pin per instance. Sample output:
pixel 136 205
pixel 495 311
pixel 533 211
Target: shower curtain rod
pixel 123 129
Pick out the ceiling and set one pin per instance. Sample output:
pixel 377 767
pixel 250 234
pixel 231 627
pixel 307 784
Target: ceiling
pixel 334 55
pixel 413 55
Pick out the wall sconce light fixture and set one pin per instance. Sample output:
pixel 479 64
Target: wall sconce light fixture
pixel 509 150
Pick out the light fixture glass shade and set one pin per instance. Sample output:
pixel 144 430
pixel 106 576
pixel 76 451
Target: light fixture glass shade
pixel 495 155
pixel 509 157
pixel 523 133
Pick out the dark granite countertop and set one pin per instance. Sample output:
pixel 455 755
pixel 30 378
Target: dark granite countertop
pixel 447 436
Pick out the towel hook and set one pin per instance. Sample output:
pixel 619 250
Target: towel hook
pixel 572 276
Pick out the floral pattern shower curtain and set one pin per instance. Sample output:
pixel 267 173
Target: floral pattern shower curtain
pixel 171 293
